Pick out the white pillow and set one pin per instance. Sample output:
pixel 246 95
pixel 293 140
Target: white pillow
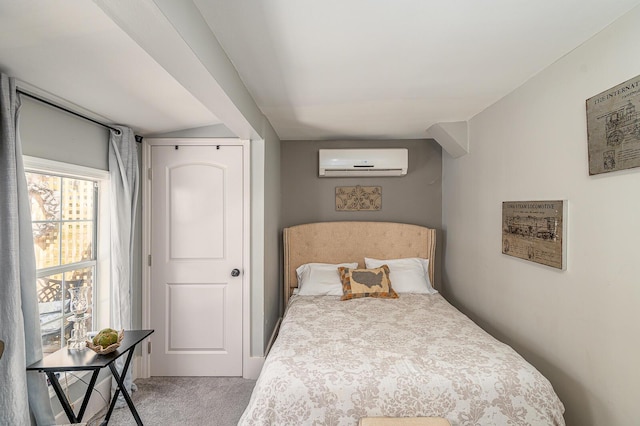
pixel 409 275
pixel 321 279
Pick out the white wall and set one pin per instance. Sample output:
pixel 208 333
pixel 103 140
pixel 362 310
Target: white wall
pixel 215 131
pixel 580 327
pixel 51 133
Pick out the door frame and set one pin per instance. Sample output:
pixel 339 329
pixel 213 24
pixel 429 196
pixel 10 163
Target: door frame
pixel 144 369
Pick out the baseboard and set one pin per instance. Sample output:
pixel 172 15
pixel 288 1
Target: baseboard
pixel 96 403
pixel 252 368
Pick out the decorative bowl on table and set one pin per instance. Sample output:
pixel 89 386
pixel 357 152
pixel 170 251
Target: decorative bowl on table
pixel 96 344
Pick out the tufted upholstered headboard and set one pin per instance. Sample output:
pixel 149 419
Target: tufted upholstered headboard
pixel 336 242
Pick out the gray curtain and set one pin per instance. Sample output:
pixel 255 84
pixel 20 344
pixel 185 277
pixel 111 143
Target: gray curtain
pixel 24 397
pixel 124 173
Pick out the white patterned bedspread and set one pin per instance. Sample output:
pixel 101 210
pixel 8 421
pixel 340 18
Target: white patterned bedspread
pixel 337 361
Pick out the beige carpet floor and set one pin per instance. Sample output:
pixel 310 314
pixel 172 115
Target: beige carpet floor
pixel 215 401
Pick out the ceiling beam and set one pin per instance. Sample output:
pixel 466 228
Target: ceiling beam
pixel 452 136
pixel 176 36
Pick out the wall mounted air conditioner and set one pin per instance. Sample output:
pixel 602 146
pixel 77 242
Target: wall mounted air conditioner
pixel 363 162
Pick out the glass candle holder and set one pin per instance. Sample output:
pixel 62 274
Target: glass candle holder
pixel 79 306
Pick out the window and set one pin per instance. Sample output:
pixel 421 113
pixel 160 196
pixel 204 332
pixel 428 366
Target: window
pixel 65 212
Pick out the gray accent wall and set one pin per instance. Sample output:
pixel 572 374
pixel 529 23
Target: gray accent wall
pixel 415 198
pixel 272 224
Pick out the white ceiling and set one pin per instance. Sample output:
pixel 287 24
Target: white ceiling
pixel 390 69
pixel 316 69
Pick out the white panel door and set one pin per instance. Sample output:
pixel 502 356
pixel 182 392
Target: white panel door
pixel 196 267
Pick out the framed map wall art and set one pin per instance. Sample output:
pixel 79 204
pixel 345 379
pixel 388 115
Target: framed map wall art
pixel 613 128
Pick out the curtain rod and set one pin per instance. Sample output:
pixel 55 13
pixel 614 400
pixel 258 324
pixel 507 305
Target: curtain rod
pixel 44 101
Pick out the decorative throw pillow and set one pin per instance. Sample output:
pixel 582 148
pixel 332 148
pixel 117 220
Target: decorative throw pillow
pixel 366 283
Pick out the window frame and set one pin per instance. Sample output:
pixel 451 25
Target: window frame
pixel 101 282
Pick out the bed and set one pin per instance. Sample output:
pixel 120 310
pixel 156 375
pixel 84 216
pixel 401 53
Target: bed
pixel 337 361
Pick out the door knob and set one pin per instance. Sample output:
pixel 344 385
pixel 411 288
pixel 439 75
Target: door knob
pixel 235 272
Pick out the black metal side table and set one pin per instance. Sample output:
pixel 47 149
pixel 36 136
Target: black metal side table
pixel 87 360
